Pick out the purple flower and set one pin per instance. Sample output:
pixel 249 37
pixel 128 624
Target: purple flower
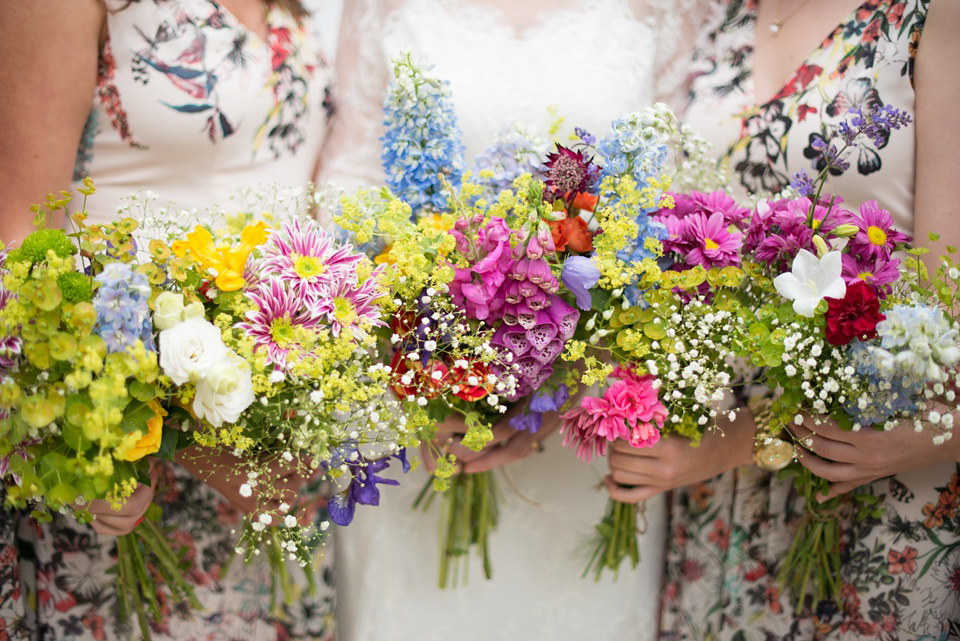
pixel 877 238
pixel 477 289
pixel 527 422
pixel 801 182
pixel 713 244
pixel 363 484
pixel 580 275
pixel 544 401
pixel 878 272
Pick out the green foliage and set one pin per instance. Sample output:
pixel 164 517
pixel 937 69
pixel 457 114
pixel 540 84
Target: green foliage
pixel 75 287
pixel 34 247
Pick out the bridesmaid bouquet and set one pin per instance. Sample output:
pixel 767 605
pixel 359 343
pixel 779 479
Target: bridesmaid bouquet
pixel 82 398
pixel 267 334
pixel 664 308
pixel 845 331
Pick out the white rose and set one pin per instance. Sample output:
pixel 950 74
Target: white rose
pixel 189 350
pixel 168 310
pixel 193 310
pixel 220 408
pixel 224 378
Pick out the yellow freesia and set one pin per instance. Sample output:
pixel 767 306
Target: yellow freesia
pixel 226 260
pixel 149 443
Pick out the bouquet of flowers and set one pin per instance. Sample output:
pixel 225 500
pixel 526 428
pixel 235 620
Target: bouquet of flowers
pixel 83 396
pixel 845 330
pixel 266 332
pixel 664 272
pixel 486 284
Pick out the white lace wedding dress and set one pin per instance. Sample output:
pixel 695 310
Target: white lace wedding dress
pixel 592 60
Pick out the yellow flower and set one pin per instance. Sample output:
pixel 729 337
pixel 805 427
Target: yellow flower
pixel 226 261
pixel 151 442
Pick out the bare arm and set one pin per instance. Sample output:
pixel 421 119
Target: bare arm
pixel 48 73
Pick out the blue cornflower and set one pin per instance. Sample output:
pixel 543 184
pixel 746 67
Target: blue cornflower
pixel 123 316
pixel 422 138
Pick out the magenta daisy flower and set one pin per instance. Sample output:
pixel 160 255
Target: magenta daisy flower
pixel 347 304
pixel 877 238
pixel 712 243
pixel 307 258
pixel 879 272
pixel 718 201
pixel 279 322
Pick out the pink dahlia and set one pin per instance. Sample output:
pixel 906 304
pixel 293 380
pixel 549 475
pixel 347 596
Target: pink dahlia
pixel 307 258
pixel 712 243
pixel 274 324
pixel 877 238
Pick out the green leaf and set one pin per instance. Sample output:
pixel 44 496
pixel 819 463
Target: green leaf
pixel 136 418
pixel 600 299
pixel 143 391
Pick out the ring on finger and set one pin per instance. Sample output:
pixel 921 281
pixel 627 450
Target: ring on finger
pixel 537 446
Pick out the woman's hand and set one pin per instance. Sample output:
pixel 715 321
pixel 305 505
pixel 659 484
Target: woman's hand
pixel 108 521
pixel 637 474
pixel 448 441
pixel 516 445
pixel 227 474
pixel 850 459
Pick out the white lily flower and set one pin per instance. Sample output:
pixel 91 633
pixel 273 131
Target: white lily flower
pixel 811 280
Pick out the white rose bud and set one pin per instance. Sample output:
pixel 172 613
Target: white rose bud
pixel 227 406
pixel 193 310
pixel 169 310
pixel 190 349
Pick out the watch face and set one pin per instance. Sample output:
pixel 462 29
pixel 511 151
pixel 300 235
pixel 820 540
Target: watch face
pixel 775 455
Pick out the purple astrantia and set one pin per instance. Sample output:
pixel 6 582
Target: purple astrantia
pixel 877 238
pixel 568 173
pixel 306 257
pixel 580 275
pixel 541 402
pixel 364 482
pixel 274 325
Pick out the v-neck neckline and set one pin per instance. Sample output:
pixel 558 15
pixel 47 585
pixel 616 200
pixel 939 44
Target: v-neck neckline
pixel 237 23
pixel 779 93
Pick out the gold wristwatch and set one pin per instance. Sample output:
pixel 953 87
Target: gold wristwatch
pixel 770 452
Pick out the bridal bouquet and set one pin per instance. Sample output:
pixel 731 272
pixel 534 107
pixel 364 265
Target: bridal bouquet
pixel 486 283
pixel 846 331
pixel 665 270
pixel 82 397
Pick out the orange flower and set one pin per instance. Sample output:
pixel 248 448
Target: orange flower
pixel 585 202
pixel 572 234
pixel 150 443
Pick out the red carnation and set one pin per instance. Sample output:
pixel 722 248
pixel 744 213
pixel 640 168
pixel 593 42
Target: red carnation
pixel 854 316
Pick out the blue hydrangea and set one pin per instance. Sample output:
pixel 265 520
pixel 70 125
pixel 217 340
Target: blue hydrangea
pixel 422 138
pixel 123 316
pixel 884 393
pixel 514 151
pixel 921 340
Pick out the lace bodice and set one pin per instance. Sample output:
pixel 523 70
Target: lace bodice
pixel 588 60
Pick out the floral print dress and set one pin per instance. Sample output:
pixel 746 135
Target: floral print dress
pixel 901 577
pixel 194 106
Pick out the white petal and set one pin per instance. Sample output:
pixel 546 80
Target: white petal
pixel 789 286
pixel 806 306
pixel 805 265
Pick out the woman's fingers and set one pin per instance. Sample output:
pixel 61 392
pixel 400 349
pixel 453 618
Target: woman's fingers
pixel 629 494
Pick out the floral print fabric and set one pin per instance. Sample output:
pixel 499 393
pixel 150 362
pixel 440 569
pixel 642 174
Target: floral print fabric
pixel 728 536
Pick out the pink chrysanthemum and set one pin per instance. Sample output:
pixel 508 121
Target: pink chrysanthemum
pixel 275 325
pixel 347 304
pixel 712 243
pixel 307 258
pixel 877 238
pixel 879 272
